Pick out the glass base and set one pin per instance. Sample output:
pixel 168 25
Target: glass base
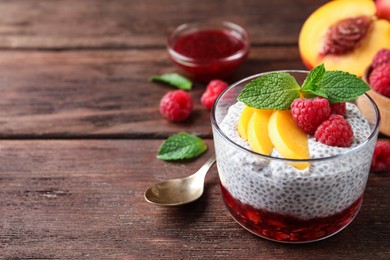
pixel 293 242
pixel 288 229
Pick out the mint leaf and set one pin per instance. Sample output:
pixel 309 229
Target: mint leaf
pixel 341 86
pixel 181 146
pixel 311 86
pixel 314 76
pixel 312 93
pixel 173 79
pixel 276 90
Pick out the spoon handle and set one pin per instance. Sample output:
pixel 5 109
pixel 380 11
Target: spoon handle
pixel 201 173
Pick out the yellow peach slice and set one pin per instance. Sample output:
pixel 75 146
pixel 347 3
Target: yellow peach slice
pixel 243 121
pixel 258 137
pixel 289 140
pixel 315 28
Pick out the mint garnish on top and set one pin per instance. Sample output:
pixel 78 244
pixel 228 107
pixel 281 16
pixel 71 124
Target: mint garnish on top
pixel 272 91
pixel 310 85
pixel 173 79
pixel 336 86
pixel 181 146
pixel 277 90
pixel 341 86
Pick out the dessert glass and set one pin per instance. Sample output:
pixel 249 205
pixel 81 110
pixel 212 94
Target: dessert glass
pixel 272 199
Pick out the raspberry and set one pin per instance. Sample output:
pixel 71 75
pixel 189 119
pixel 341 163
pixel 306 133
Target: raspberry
pixel 309 113
pixel 214 88
pixel 380 58
pixel 335 131
pixel 176 105
pixel 381 158
pixel 380 80
pixel 339 108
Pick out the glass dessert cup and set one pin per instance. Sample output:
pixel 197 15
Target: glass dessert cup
pixel 203 65
pixel 272 199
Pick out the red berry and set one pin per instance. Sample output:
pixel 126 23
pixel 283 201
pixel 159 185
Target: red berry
pixel 335 131
pixel 339 108
pixel 380 58
pixel 380 80
pixel 309 113
pixel 176 105
pixel 214 88
pixel 381 158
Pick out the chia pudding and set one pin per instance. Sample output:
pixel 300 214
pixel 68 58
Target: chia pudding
pixel 273 199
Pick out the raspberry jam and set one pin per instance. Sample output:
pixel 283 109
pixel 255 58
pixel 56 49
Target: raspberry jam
pixel 209 53
pixel 285 228
pixel 208 45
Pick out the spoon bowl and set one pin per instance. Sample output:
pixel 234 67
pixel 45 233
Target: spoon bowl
pixel 180 191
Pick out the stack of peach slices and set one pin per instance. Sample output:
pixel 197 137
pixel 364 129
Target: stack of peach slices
pixel 345 35
pixel 280 114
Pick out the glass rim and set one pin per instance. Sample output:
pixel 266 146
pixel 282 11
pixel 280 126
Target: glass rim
pixel 229 25
pixel 215 125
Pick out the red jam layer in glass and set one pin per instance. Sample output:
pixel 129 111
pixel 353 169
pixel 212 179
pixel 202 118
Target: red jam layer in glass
pixel 287 228
pixel 208 49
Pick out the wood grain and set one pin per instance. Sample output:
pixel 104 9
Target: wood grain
pixel 84 199
pixel 73 24
pixel 97 94
pixel 77 71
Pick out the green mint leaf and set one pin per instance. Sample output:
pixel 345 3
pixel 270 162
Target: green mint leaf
pixel 341 86
pixel 312 93
pixel 173 79
pixel 181 146
pixel 314 76
pixel 311 86
pixel 275 90
pixel 315 91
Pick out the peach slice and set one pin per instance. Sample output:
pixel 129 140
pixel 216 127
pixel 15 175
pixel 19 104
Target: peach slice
pixel 243 121
pixel 361 47
pixel 289 140
pixel 258 137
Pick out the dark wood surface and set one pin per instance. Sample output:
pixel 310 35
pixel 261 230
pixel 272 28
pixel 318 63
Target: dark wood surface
pixel 80 128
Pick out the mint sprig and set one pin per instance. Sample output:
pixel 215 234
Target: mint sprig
pixel 173 79
pixel 341 86
pixel 272 91
pixel 336 86
pixel 310 87
pixel 181 146
pixel 277 90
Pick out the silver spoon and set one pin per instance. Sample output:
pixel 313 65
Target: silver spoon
pixel 177 192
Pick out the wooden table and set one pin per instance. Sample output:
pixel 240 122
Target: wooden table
pixel 80 128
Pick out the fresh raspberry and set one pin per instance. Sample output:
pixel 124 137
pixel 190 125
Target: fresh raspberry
pixel 380 80
pixel 339 108
pixel 214 88
pixel 335 131
pixel 176 105
pixel 381 158
pixel 380 58
pixel 309 113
